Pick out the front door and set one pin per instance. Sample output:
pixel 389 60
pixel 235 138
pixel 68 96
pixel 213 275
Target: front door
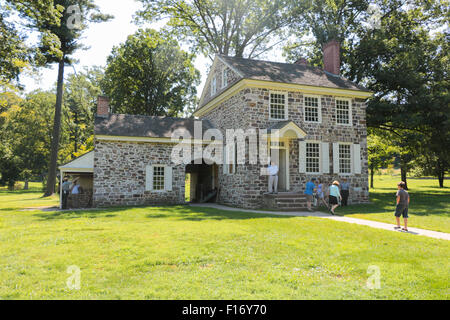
pixel 279 154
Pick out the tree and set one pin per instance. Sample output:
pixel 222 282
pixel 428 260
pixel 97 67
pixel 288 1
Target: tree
pixel 81 94
pixel 76 16
pixel 15 55
pixel 408 68
pixel 380 152
pixel 229 27
pixel 150 75
pixel 26 135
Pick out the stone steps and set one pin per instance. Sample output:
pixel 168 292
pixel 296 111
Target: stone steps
pixel 285 201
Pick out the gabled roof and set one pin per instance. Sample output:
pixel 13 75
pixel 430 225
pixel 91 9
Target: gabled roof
pixel 125 125
pixel 286 128
pixel 289 73
pixel 84 163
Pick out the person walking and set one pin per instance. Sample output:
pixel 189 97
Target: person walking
pixel 273 177
pixel 309 191
pixel 402 206
pixel 334 195
pixel 345 191
pixel 321 194
pixel 66 186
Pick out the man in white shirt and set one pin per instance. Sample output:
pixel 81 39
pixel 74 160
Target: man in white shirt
pixel 273 177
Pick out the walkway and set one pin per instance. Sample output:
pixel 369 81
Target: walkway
pixel 369 223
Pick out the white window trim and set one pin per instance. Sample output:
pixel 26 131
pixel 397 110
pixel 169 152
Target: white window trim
pixel 320 156
pixel 285 105
pixel 153 175
pixel 319 103
pixel 350 111
pixel 351 159
pixel 213 86
pixel 224 79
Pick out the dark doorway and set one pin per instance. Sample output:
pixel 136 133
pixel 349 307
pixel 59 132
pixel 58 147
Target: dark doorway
pixel 202 182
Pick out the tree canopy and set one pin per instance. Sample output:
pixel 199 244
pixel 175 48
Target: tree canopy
pixel 149 74
pixel 242 28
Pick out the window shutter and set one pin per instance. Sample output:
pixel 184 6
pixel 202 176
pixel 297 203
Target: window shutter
pixel 168 178
pixel 325 157
pixel 302 156
pixel 225 166
pixel 148 178
pixel 357 158
pixel 233 156
pixel 335 157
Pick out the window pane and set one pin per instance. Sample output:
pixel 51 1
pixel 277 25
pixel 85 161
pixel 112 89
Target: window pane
pixel 345 158
pixel 312 158
pixel 312 109
pixel 277 106
pixel 158 178
pixel 343 112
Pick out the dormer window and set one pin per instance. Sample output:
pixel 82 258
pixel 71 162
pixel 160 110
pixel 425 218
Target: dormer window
pixel 213 86
pixel 224 77
pixel 278 106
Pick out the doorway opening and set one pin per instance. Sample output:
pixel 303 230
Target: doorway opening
pixel 201 182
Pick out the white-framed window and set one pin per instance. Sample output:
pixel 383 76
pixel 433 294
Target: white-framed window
pixel 278 106
pixel 224 77
pixel 343 111
pixel 213 86
pixel 158 178
pixel 312 157
pixel 312 109
pixel 345 158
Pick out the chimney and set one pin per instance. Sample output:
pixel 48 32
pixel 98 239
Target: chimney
pixel 102 106
pixel 332 57
pixel 302 61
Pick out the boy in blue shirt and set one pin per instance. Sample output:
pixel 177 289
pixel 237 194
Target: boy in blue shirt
pixel 309 191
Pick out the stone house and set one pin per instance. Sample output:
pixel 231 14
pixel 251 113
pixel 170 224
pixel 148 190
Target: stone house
pixel 312 119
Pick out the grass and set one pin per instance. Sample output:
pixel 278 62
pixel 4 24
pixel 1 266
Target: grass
pixel 199 253
pixel 429 207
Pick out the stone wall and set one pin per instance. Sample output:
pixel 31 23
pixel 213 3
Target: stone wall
pixel 120 174
pixel 233 77
pixel 250 109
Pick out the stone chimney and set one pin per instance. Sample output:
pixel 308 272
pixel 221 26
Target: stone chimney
pixel 332 57
pixel 302 61
pixel 102 106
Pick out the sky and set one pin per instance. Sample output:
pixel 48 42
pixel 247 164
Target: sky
pixel 100 38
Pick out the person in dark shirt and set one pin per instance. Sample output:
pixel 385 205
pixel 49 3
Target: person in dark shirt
pixel 402 206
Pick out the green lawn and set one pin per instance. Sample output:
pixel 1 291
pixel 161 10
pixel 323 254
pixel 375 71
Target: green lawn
pixel 191 253
pixel 429 207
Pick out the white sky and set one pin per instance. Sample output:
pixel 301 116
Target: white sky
pixel 100 38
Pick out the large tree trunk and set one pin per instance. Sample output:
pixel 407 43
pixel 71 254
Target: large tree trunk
pixel 372 172
pixel 26 187
pixel 403 174
pixel 441 177
pixel 56 132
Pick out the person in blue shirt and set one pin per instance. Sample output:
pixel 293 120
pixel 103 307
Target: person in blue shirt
pixel 334 195
pixel 309 191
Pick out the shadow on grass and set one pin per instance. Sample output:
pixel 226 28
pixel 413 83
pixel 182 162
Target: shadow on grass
pixel 77 214
pixel 422 204
pixel 200 214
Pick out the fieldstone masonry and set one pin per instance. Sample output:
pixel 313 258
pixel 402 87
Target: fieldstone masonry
pixel 119 174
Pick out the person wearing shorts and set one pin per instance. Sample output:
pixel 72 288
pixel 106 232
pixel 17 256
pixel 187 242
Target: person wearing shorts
pixel 401 209
pixel 309 192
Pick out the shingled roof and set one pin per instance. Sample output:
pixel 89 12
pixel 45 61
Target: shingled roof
pixel 125 125
pixel 289 73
